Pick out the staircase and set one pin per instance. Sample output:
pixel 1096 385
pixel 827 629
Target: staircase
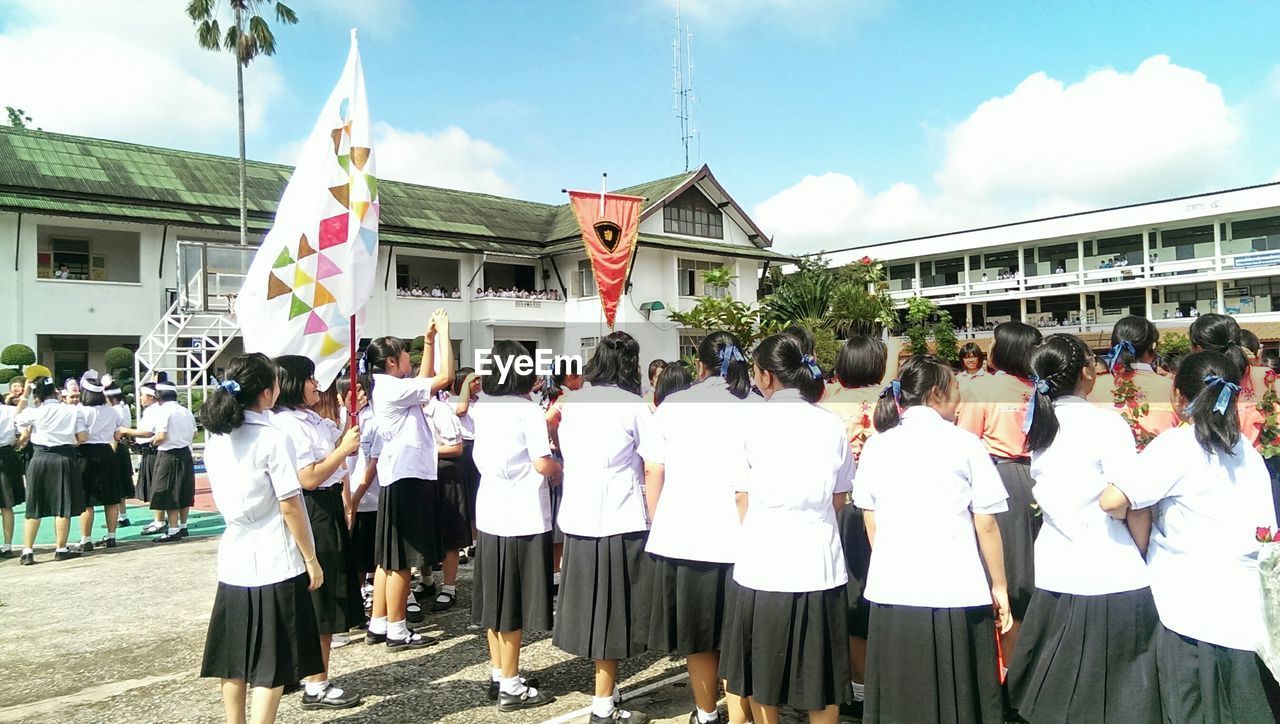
pixel 184 344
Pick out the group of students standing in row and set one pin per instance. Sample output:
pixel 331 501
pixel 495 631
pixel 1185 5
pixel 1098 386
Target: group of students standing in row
pixel 882 538
pixel 63 460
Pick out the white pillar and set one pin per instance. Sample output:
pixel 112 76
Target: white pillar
pixel 1221 301
pixel 915 283
pixel 965 281
pixel 1080 261
pixel 1217 255
pixel 1146 293
pixel 968 315
pixel 1146 254
pixel 1022 309
pixel 1084 311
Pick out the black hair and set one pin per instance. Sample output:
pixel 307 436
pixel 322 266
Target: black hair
pixel 42 388
pixel 1057 362
pixel 295 371
pixel 918 378
pixel 805 335
pixel 1250 341
pixel 167 395
pixel 1011 351
pixel 973 349
pixel 1216 432
pixel 113 390
pixel 223 411
pixel 861 361
pixel 1220 333
pixel 783 355
pixel 461 377
pixel 738 375
pixel 88 397
pixel 671 380
pixel 1137 331
pixel 381 351
pixel 495 384
pixel 655 368
pixel 616 362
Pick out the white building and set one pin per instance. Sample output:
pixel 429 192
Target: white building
pixel 1167 260
pixel 148 237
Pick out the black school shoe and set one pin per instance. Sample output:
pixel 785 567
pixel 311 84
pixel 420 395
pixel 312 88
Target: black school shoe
pixel 27 559
pixel 372 638
pixel 413 612
pixel 86 547
pixel 108 543
pixel 437 605
pixel 154 528
pixel 168 538
pixel 123 522
pixel 530 698
pixel 621 716
pixel 65 555
pixel 182 533
pixel 7 554
pixel 494 689
pixel 324 701
pixel 412 641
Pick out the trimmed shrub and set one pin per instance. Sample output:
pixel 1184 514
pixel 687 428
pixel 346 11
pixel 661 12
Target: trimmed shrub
pixel 17 355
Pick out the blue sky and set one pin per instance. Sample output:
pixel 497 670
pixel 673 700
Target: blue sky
pixel 833 121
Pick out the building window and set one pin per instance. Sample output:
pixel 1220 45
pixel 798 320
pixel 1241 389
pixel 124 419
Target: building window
pixel 689 341
pixel 80 254
pixel 693 214
pixel 584 281
pixel 588 345
pixel 689 275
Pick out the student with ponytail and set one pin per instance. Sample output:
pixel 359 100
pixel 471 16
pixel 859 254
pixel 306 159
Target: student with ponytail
pixel 694 455
pixel 262 632
pixel 319 457
pixel 1087 648
pixel 1220 333
pixel 54 484
pixel 785 640
pixel 1210 491
pixel 98 461
pixel 1133 388
pixel 994 408
pixel 936 583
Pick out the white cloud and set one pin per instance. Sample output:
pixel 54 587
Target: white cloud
pixel 91 69
pixel 376 17
pixel 450 158
pixel 1045 148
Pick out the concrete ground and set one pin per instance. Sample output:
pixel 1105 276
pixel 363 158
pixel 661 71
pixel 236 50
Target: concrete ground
pixel 117 636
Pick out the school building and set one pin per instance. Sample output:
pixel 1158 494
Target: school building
pixel 1168 260
pixel 118 244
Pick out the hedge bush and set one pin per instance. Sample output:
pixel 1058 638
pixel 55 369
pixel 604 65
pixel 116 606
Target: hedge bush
pixel 17 355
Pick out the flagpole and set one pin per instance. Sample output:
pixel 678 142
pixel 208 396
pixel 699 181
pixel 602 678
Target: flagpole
pixel 604 184
pixel 351 393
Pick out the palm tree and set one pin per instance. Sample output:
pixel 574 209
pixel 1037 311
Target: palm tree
pixel 248 36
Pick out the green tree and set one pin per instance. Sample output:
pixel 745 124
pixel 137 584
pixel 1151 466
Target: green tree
pixel 853 299
pixel 119 364
pixel 724 313
pixel 17 355
pixel 247 37
pixel 926 321
pixel 18 118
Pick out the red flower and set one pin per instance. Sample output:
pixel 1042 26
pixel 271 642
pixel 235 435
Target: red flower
pixel 1131 403
pixel 1263 534
pixel 866 260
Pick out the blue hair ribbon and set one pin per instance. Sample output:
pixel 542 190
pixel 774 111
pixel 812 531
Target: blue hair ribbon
pixel 1042 387
pixel 1114 357
pixel 229 385
pixel 1224 398
pixel 895 388
pixel 729 353
pixel 812 364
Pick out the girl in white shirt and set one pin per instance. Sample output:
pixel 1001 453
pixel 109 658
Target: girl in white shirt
pixel 604 591
pixel 363 506
pixel 98 460
pixel 936 583
pixel 12 491
pixel 785 638
pixel 262 632
pixel 694 460
pixel 452 521
pixel 54 484
pixel 320 466
pixel 1087 647
pixel 512 588
pixel 1210 491
pixel 124 462
pixel 406 466
pixel 147 454
pixel 173 475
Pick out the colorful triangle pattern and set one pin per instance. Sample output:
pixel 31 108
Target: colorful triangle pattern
pixel 301 278
pixel 283 259
pixel 325 268
pixel 297 307
pixel 276 287
pixel 333 231
pixel 304 248
pixel 315 324
pixel 322 297
pixel 329 345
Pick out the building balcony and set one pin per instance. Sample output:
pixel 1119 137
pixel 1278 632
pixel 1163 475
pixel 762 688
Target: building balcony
pixel 509 311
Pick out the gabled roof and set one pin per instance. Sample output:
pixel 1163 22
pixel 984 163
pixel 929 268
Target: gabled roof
pixel 97 178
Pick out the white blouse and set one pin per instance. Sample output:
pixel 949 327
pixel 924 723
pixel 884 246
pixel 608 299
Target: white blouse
pixel 925 479
pixel 468 424
pixel 408 447
pixel 1081 549
pixel 1203 556
pixel 8 425
pixel 445 424
pixel 176 422
pixel 103 422
pixel 126 417
pixel 312 438
pixel 513 498
pixel 53 424
pixel 600 430
pixel 798 458
pixel 250 471
pixel 698 435
pixel 370 448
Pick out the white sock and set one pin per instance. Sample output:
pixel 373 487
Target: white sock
pixel 25 551
pixel 859 691
pixel 555 578
pixel 708 716
pixel 174 531
pixel 378 625
pixel 6 547
pixel 495 674
pixel 84 539
pixel 183 525
pixel 397 630
pixel 602 706
pixel 316 688
pixel 60 550
pixel 451 590
pixel 111 535
pixel 514 685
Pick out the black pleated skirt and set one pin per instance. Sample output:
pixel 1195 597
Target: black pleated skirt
pixel 452 518
pixel 147 464
pixel 337 602
pixel 124 472
pixel 688 606
pixel 12 491
pixel 512 590
pixel 932 665
pixel 787 648
pixel 1087 658
pixel 1018 528
pixel 264 635
pixel 857 559
pixel 406 534
pixel 98 461
pixel 55 484
pixel 173 480
pixel 556 495
pixel 471 475
pixel 603 611
pixel 1201 682
pixel 364 534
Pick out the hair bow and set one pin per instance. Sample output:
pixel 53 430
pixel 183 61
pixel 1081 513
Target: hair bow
pixel 729 353
pixel 1114 357
pixel 812 364
pixel 229 385
pixel 1042 387
pixel 893 388
pixel 360 366
pixel 1224 398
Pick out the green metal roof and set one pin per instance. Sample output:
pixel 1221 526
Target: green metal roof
pixel 91 177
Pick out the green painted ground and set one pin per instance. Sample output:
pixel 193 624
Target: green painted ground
pixel 199 522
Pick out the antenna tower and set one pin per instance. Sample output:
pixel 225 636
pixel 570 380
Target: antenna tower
pixel 682 67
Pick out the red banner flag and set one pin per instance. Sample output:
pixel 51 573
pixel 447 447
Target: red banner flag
pixel 609 224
